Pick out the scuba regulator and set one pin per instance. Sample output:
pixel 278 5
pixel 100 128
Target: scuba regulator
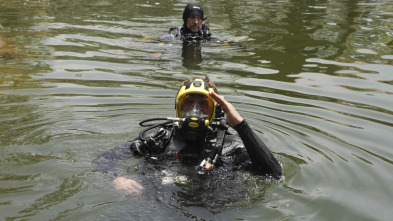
pixel 194 124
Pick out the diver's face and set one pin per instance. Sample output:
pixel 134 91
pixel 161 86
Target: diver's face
pixel 194 23
pixel 190 101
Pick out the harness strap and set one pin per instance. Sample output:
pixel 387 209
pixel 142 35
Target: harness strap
pixel 208 163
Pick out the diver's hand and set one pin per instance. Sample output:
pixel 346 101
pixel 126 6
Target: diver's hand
pixel 127 185
pixel 233 117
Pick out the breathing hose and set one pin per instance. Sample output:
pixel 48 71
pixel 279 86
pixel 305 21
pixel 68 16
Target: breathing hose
pixel 168 121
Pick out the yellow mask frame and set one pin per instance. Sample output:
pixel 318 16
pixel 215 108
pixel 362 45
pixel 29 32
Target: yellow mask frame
pixel 196 86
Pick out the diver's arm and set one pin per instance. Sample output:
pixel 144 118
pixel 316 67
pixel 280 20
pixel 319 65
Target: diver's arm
pixel 123 184
pixel 261 157
pixel 107 163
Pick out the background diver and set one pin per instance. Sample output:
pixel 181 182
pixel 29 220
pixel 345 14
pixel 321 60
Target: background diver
pixel 193 29
pixel 198 137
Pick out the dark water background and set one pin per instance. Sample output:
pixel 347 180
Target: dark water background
pixel 313 78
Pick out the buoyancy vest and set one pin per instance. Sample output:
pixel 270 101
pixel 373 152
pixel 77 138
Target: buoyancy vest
pixel 184 34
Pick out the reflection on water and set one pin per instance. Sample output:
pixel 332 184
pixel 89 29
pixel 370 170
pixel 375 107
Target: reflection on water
pixel 312 78
pixel 192 54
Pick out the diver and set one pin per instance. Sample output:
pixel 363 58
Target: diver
pixel 193 29
pixel 194 34
pixel 197 136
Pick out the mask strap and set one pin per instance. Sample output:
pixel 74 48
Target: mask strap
pixel 206 84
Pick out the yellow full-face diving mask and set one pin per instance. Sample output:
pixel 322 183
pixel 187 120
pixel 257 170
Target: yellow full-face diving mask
pixel 195 92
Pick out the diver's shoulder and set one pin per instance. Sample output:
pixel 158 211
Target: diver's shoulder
pixel 173 34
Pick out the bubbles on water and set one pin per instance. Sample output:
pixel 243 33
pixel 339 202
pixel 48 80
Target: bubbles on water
pixel 216 190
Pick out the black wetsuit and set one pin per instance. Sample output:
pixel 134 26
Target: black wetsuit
pixel 243 152
pixel 183 34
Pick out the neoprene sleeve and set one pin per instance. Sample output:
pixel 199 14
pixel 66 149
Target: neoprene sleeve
pixel 261 157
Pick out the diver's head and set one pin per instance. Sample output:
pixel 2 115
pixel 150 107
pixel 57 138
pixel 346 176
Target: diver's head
pixel 193 16
pixel 194 103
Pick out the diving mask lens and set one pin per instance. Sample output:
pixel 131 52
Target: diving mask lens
pixel 196 106
pixel 195 111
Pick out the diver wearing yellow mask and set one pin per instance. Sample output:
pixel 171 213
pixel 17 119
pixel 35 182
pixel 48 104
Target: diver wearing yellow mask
pixel 196 107
pixel 198 132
